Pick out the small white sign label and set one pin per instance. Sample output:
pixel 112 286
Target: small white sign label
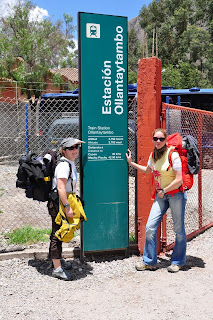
pixel 93 30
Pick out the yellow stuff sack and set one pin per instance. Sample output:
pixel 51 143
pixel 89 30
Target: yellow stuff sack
pixel 69 225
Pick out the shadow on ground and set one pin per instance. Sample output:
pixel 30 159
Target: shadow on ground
pixel 104 257
pixel 78 270
pixel 191 262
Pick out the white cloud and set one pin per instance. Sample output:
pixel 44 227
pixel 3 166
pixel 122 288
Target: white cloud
pixel 6 6
pixel 37 14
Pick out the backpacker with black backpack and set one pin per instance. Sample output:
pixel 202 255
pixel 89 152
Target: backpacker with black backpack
pixel 35 175
pixel 187 147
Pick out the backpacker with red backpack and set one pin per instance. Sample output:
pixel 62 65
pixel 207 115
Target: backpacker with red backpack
pixel 187 147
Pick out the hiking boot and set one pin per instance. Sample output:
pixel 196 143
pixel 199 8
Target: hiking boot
pixel 173 268
pixel 66 264
pixel 61 274
pixel 140 266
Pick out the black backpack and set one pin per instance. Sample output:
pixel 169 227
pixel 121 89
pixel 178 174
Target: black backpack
pixel 193 154
pixel 35 175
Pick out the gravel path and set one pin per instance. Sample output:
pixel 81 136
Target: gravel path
pixel 110 288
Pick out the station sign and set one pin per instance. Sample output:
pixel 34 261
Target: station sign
pixel 104 128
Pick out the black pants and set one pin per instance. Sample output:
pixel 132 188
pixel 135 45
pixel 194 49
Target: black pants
pixel 55 249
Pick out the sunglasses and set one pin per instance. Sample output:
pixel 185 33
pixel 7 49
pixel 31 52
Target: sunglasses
pixel 73 147
pixel 161 139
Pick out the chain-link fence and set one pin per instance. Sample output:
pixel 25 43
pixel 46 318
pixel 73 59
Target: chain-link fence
pixel 132 144
pixel 199 207
pixel 25 127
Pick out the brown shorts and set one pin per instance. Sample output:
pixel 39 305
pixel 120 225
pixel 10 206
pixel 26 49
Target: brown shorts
pixel 55 249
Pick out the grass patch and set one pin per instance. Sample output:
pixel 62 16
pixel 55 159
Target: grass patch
pixel 132 238
pixel 2 191
pixel 27 235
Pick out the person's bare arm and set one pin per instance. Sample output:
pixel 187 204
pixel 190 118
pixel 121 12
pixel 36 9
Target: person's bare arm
pixel 144 169
pixel 61 186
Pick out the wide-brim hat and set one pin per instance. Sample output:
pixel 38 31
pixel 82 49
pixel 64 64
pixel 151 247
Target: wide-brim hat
pixel 69 142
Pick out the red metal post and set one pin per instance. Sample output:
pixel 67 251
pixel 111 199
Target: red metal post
pixel 200 200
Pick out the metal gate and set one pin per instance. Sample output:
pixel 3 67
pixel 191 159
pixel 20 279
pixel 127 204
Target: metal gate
pixel 199 207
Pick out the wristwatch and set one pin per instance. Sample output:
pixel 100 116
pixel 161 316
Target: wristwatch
pixel 162 190
pixel 66 205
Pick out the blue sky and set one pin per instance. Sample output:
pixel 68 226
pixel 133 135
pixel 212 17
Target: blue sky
pixel 56 8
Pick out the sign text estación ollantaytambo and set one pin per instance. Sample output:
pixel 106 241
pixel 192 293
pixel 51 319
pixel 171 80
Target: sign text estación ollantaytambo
pixel 118 101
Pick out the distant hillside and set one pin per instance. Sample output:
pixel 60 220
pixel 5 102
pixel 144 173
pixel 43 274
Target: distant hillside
pixel 134 24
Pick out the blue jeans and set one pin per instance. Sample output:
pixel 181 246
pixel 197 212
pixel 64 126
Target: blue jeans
pixel 177 204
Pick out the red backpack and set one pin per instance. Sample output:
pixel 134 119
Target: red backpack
pixel 175 140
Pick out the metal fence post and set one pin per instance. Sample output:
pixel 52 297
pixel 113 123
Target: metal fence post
pixel 27 133
pixel 200 200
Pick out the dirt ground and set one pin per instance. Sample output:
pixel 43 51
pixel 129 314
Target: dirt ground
pixel 111 289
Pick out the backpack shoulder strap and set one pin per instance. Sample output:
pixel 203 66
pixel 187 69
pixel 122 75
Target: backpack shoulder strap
pixel 170 159
pixel 70 173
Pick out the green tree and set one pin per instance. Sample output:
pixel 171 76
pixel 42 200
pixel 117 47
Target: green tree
pixel 189 75
pixel 185 35
pixel 29 48
pixel 132 76
pixel 195 43
pixel 134 50
pixel 196 48
pixel 171 77
pixel 180 20
pixel 182 76
pixel 155 14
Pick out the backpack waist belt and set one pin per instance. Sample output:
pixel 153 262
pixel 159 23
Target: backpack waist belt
pixel 180 189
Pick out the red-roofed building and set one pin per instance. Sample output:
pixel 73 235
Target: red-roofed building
pixel 10 91
pixel 69 76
